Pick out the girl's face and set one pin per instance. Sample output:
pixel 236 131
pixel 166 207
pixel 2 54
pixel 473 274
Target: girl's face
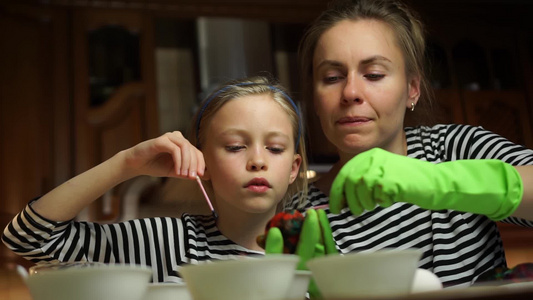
pixel 249 153
pixel 361 90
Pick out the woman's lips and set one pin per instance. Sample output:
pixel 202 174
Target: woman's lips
pixel 353 120
pixel 258 185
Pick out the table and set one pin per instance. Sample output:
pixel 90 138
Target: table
pixel 521 291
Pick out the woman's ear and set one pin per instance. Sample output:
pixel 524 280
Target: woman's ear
pixel 295 168
pixel 413 89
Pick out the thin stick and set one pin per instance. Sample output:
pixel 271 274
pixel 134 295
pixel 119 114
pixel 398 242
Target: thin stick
pixel 206 197
pixel 323 206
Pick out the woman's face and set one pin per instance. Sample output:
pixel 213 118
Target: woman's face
pixel 249 154
pixel 361 91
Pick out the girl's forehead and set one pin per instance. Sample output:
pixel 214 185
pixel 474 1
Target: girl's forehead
pixel 250 117
pixel 252 111
pixel 249 102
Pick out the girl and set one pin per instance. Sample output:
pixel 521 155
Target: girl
pixel 247 142
pixel 437 188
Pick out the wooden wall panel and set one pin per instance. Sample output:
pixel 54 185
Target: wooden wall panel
pixel 33 124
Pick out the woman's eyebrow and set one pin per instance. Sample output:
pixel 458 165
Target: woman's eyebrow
pixel 333 63
pixel 366 61
pixel 374 59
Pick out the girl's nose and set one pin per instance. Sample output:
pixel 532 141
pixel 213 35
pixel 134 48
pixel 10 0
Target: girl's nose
pixel 257 161
pixel 352 92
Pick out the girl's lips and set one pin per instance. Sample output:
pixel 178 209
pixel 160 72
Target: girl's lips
pixel 258 185
pixel 353 120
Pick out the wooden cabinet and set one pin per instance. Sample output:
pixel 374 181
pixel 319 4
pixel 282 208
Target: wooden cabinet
pixel 115 105
pixel 481 68
pixel 34 107
pixel 51 126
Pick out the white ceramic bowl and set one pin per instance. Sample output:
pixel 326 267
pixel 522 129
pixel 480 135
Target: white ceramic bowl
pixel 300 283
pixel 88 281
pixel 425 281
pixel 258 278
pixel 167 291
pixel 367 274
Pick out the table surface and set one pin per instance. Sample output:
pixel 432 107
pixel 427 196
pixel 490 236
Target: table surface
pixel 515 291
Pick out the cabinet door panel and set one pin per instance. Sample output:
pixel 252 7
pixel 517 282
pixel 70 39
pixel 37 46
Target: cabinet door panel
pixel 114 92
pixel 503 112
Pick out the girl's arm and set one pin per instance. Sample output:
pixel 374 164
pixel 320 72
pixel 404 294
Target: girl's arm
pixel 169 155
pixel 525 209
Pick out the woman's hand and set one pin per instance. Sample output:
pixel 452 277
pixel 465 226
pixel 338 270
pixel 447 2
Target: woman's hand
pixel 377 177
pixel 170 155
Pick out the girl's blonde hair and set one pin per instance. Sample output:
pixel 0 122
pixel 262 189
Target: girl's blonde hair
pixel 258 85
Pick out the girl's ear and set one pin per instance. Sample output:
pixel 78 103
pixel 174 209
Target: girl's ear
pixel 295 168
pixel 414 91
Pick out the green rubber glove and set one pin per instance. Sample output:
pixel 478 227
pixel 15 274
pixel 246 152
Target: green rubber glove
pixel 377 177
pixel 316 240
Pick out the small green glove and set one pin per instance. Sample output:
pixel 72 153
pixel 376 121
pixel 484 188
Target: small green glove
pixel 316 240
pixel 377 177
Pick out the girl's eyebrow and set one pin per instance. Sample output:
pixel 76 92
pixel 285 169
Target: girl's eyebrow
pixel 243 132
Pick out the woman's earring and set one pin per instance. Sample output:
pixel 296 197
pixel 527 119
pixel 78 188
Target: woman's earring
pixel 413 106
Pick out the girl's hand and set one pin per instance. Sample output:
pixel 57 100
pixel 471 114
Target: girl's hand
pixel 170 155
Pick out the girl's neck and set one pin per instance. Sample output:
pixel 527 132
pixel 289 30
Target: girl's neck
pixel 243 228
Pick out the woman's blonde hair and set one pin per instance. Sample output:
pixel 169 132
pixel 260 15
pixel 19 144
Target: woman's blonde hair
pixel 405 23
pixel 258 85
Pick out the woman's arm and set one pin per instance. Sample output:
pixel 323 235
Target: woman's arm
pixel 169 155
pixel 525 209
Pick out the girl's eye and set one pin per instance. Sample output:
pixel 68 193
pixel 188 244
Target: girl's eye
pixel 374 77
pixel 276 150
pixel 234 148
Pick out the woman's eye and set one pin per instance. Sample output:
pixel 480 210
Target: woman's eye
pixel 374 77
pixel 332 79
pixel 234 148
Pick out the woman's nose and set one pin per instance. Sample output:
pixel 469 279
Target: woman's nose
pixel 257 161
pixel 352 91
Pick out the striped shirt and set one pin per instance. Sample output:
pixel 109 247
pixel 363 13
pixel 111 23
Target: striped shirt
pixel 458 247
pixel 162 243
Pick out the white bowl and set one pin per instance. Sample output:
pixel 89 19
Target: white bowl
pixel 367 274
pixel 88 281
pixel 300 283
pixel 258 278
pixel 167 291
pixel 425 281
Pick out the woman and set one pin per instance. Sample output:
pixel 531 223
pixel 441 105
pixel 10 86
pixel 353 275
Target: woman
pixel 391 188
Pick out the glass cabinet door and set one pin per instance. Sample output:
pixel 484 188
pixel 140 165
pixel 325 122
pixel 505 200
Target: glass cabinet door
pixel 114 93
